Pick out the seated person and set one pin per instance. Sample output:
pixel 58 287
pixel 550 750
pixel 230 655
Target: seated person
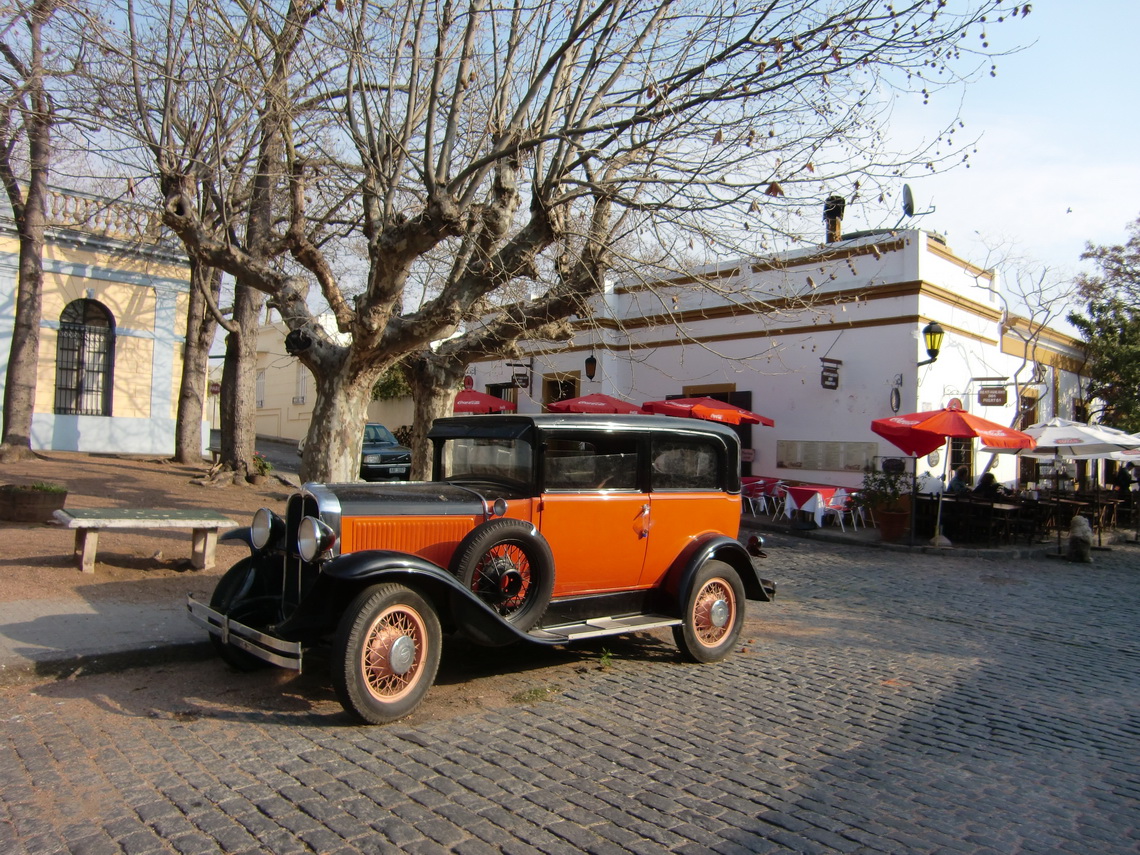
pixel 960 483
pixel 989 488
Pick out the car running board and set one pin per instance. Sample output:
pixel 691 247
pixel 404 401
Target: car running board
pixel 598 627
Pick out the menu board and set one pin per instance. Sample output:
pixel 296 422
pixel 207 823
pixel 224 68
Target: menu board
pixel 825 456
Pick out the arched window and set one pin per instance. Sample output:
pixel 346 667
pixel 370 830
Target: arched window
pixel 84 360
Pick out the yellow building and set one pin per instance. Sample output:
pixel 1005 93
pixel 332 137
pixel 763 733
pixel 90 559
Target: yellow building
pixel 113 325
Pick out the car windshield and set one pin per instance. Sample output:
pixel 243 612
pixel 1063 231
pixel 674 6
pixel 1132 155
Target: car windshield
pixel 378 434
pixel 485 458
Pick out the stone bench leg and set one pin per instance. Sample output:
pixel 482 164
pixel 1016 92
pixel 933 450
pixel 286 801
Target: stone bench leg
pixel 204 548
pixel 86 542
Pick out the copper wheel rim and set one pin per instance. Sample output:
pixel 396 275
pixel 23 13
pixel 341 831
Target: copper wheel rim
pixel 390 633
pixel 706 630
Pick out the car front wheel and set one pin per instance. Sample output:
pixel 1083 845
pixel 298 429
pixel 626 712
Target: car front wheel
pixel 386 653
pixel 713 614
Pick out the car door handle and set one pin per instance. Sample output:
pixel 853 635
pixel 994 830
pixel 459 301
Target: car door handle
pixel 641 523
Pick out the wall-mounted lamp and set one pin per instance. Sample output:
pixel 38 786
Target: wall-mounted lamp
pixel 591 366
pixel 932 335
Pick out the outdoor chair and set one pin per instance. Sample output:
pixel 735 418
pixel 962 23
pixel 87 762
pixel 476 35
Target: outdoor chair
pixel 841 507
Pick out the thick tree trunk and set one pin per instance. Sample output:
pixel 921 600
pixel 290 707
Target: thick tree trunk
pixel 239 384
pixel 24 356
pixel 200 328
pixel 30 216
pixel 434 381
pixel 332 446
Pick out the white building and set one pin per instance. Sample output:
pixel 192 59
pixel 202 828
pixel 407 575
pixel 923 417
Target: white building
pixel 822 341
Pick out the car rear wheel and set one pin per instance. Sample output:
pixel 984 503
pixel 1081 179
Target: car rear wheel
pixel 235 596
pixel 510 567
pixel 386 653
pixel 713 615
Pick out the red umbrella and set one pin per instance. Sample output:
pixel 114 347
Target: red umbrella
pixel 709 409
pixel 471 401
pixel 595 403
pixel 921 433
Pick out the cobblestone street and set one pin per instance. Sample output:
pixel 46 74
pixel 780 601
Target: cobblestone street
pixel 884 703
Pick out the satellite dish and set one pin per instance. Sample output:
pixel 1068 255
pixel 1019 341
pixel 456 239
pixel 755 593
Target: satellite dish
pixel 908 211
pixel 908 201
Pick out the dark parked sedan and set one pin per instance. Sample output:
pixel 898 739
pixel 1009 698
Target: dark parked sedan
pixel 382 458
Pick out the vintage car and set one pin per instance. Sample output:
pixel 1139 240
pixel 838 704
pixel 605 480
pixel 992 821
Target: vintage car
pixel 545 529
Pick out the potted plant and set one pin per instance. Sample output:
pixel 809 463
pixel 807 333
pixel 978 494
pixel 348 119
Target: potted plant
pixel 262 468
pixel 886 495
pixel 33 502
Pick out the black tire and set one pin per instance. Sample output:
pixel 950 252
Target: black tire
pixel 235 596
pixel 713 615
pixel 386 653
pixel 510 567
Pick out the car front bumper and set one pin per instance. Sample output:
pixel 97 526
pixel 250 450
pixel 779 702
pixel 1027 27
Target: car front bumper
pixel 284 654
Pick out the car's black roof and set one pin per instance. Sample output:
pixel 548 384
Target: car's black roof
pixel 462 425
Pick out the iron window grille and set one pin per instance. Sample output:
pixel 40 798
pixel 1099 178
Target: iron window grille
pixel 85 360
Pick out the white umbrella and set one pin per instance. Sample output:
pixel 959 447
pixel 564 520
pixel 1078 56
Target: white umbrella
pixel 1062 439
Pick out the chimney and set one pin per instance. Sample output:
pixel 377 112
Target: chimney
pixel 833 217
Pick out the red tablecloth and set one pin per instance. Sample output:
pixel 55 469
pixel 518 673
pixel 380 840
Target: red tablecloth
pixel 811 499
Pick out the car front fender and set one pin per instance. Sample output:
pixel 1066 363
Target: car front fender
pixel 455 603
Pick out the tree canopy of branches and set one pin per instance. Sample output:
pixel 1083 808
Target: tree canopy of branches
pixel 454 177
pixel 1110 327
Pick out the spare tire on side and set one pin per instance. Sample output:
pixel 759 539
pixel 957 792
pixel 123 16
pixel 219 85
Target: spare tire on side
pixel 510 567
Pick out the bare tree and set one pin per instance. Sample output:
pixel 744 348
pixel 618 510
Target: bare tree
pixel 26 120
pixel 535 149
pixel 1034 298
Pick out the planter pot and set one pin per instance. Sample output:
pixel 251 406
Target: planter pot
pixel 256 480
pixel 893 525
pixel 23 504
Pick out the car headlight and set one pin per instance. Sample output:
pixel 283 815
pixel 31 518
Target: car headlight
pixel 314 538
pixel 371 458
pixel 266 528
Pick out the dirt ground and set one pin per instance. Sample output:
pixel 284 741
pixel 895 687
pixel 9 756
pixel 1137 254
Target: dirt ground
pixel 132 566
pixel 154 566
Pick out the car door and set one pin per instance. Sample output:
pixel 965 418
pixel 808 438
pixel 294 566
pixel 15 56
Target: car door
pixel 592 513
pixel 686 499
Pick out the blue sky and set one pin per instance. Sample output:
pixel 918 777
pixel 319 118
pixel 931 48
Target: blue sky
pixel 1058 135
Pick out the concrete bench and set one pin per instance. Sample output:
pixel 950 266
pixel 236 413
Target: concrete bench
pixel 88 522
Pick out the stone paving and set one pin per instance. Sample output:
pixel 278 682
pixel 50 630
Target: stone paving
pixel 885 703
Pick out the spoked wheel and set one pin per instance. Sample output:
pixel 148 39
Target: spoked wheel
pixel 510 567
pixel 714 614
pixel 386 653
pixel 236 596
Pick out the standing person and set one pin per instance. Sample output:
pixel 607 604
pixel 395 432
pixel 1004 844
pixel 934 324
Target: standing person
pixel 960 483
pixel 1123 483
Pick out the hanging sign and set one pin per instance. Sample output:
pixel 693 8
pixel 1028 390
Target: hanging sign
pixel 993 396
pixel 829 374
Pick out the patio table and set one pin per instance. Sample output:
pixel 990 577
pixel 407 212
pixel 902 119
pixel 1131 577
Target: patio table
pixel 810 499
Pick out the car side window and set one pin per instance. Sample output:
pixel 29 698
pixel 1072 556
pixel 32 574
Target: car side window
pixel 595 463
pixel 684 464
